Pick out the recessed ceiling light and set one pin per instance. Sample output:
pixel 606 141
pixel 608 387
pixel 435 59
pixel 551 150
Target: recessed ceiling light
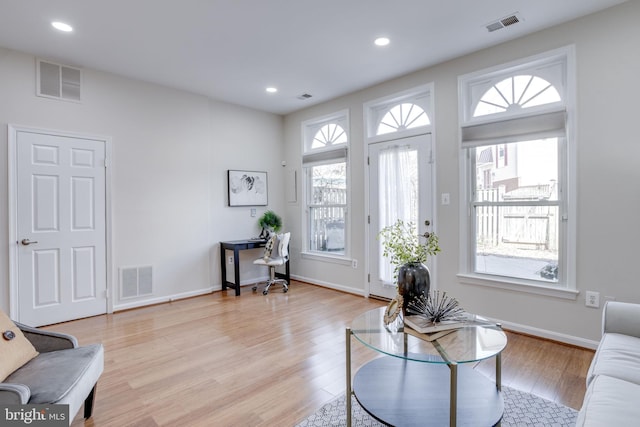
pixel 62 26
pixel 381 41
pixel 272 89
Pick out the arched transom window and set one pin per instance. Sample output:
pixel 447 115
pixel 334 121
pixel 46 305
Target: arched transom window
pixel 325 206
pixel 401 117
pixel 519 186
pixel 514 93
pixel 329 135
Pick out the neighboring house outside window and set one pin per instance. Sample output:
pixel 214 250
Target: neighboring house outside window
pixel 326 169
pixel 519 197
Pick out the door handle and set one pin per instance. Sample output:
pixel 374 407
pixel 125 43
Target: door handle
pixel 28 242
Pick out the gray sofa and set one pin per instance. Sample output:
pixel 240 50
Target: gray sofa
pixel 613 379
pixel 63 373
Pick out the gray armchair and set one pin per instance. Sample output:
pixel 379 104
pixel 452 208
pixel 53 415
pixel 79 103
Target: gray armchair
pixel 63 373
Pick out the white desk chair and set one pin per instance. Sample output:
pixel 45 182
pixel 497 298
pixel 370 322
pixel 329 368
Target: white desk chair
pixel 282 241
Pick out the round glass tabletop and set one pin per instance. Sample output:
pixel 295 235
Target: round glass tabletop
pixel 477 340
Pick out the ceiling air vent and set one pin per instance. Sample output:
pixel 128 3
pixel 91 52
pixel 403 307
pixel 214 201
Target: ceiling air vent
pixel 507 21
pixel 58 81
pixel 305 96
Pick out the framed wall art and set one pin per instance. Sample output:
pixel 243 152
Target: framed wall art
pixel 247 188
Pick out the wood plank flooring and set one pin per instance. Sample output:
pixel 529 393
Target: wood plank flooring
pixel 270 360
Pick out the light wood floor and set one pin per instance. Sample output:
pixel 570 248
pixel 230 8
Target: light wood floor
pixel 259 360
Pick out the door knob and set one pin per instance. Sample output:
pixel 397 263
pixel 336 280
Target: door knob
pixel 27 242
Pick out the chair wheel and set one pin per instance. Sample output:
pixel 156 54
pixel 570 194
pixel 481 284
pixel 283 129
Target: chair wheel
pixel 255 288
pixel 285 290
pixel 265 292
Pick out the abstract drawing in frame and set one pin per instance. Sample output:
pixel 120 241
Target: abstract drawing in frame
pixel 247 188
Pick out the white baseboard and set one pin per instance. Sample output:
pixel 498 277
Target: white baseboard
pixel 329 285
pixel 246 282
pixel 159 300
pixel 183 295
pixel 253 280
pixel 516 327
pixel 550 335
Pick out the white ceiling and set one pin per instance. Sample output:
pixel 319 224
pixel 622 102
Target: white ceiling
pixel 232 50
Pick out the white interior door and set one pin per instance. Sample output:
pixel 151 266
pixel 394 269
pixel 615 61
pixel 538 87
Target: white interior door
pixel 60 227
pixel 400 187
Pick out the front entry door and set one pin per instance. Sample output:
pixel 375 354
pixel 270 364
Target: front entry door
pixel 60 227
pixel 400 187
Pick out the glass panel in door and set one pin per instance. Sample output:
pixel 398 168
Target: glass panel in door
pixel 400 188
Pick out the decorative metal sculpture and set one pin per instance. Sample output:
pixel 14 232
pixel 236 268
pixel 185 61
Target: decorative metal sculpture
pixel 436 307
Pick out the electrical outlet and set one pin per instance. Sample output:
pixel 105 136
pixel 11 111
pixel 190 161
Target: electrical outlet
pixel 592 299
pixel 354 263
pixel 230 260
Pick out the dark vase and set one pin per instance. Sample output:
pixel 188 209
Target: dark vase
pixel 414 280
pixel 264 234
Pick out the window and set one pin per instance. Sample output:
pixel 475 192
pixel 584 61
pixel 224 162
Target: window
pixel 400 115
pixel 329 135
pixel 519 211
pixel 326 167
pixel 522 91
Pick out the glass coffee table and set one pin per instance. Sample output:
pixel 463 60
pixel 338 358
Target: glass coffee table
pixel 422 383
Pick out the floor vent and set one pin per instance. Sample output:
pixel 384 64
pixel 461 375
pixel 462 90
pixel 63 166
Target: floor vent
pixel 136 281
pixel 507 21
pixel 58 81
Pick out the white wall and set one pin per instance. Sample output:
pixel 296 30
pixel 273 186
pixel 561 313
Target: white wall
pixel 252 140
pixel 608 156
pixel 171 150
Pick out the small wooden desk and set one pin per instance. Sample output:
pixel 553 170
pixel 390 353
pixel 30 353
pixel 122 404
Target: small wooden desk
pixel 236 246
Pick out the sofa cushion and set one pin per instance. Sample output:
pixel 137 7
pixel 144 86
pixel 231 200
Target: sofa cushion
pixel 15 348
pixel 52 376
pixel 617 356
pixel 610 402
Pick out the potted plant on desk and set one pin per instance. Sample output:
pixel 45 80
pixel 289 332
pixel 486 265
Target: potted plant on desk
pixel 270 223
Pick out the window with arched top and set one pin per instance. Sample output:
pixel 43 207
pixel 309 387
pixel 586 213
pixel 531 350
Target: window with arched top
pixel 328 135
pixel 515 93
pixel 519 188
pixel 399 115
pixel 325 163
pixel 402 117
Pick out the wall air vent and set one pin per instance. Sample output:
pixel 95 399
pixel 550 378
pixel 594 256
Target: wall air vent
pixel 507 21
pixel 136 281
pixel 58 81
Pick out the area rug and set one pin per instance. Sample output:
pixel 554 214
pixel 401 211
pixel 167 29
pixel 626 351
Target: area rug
pixel 520 409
